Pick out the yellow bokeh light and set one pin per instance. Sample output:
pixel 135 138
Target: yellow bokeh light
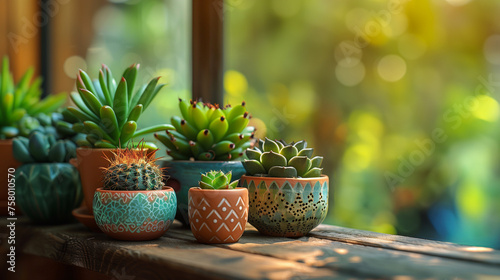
pixel 391 68
pixel 235 83
pixel 470 199
pixel 487 108
pixel 358 157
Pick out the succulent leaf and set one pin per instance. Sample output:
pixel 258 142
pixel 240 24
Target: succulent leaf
pixel 217 180
pixel 253 167
pixel 270 145
pixel 270 159
pixel 308 152
pixel 291 160
pixel 253 154
pixel 283 171
pixel 289 152
pixel 301 164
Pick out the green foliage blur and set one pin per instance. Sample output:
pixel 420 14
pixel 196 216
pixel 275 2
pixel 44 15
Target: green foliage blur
pixel 399 96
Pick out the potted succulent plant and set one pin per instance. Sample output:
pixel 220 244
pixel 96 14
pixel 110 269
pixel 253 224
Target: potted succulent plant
pixel 108 115
pixel 218 210
pixel 206 138
pixel 134 204
pixel 16 101
pixel 288 194
pixel 47 186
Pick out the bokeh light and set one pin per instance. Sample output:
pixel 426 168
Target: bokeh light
pixel 391 68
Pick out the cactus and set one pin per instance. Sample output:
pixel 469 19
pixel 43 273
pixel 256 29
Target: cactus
pixel 216 180
pixel 108 112
pixel 133 170
pixel 279 159
pixel 39 148
pixel 21 99
pixel 207 132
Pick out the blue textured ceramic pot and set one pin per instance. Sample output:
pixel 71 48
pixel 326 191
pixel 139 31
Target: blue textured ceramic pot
pixel 134 215
pixel 186 174
pixel 48 192
pixel 288 207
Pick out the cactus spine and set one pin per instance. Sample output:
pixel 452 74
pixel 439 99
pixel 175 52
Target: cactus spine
pixel 133 170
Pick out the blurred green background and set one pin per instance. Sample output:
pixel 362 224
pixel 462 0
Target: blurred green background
pixel 399 96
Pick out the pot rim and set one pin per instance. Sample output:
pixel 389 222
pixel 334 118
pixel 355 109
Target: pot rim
pixel 198 189
pixel 321 178
pixel 104 149
pixel 5 141
pixel 165 188
pixel 200 161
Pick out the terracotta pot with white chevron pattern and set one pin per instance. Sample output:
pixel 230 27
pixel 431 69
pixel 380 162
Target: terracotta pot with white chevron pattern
pixel 218 216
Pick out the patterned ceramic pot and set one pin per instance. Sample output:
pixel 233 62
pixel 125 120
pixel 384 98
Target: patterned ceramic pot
pixel 186 174
pixel 48 192
pixel 289 207
pixel 89 162
pixel 134 215
pixel 218 216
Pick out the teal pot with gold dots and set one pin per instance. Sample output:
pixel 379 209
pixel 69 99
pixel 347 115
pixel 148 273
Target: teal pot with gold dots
pixel 288 207
pixel 134 215
pixel 48 192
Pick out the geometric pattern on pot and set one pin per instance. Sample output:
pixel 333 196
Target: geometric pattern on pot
pixel 188 174
pixel 135 215
pixel 289 207
pixel 218 216
pixel 48 192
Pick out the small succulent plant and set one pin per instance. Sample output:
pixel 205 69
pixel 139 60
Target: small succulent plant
pixel 279 159
pixel 133 170
pixel 20 100
pixel 207 132
pixel 217 180
pixel 59 124
pixel 108 112
pixel 40 147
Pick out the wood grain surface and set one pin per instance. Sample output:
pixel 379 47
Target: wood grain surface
pixel 328 252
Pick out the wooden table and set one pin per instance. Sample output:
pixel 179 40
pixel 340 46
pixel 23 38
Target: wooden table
pixel 327 252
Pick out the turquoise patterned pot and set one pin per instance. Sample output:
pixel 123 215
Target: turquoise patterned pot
pixel 134 215
pixel 288 207
pixel 186 174
pixel 48 192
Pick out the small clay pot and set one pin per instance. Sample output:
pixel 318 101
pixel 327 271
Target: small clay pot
pixel 186 174
pixel 135 215
pixel 286 207
pixel 8 161
pixel 218 216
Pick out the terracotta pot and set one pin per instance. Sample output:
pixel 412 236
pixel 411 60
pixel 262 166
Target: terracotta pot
pixel 135 215
pixel 288 207
pixel 89 163
pixel 48 192
pixel 218 216
pixel 186 174
pixel 7 162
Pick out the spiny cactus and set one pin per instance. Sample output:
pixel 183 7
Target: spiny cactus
pixel 108 112
pixel 216 180
pixel 279 159
pixel 133 170
pixel 41 147
pixel 207 132
pixel 21 99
